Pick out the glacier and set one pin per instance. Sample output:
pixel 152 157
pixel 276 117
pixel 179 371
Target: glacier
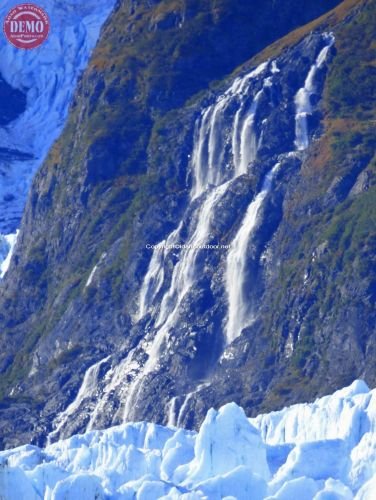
pixel 48 76
pixel 325 450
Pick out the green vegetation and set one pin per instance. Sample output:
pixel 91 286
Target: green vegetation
pixel 351 90
pixel 346 231
pixel 139 77
pixel 111 163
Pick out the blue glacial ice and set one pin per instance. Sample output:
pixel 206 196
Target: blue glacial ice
pixel 48 75
pixel 325 450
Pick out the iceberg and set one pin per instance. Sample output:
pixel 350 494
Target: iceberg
pixel 312 451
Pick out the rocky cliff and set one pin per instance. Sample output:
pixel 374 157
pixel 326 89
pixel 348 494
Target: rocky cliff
pixel 255 175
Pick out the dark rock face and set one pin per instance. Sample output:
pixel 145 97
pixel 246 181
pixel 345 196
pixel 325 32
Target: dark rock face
pixel 121 178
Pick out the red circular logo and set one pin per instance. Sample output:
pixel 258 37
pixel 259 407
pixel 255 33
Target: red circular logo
pixel 26 26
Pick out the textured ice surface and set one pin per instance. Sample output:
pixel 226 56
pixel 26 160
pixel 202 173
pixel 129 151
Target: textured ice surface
pixel 48 75
pixel 324 450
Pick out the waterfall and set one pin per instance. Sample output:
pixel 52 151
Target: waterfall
pixel 7 246
pixel 208 152
pixel 208 165
pixel 172 412
pixel 227 140
pixel 87 390
pixel 239 314
pixel 303 104
pixel 154 277
pixel 185 404
pixel 227 137
pixel 200 154
pixel 113 383
pixel 208 171
pixel 236 276
pixel 244 136
pixel 245 146
pixel 211 179
pixel 185 270
pixel 183 277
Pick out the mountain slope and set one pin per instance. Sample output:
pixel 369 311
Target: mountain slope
pixel 319 307
pixel 120 177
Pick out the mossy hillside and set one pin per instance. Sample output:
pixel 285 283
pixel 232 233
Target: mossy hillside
pixel 139 68
pixel 334 230
pixel 327 21
pixel 139 78
pixel 199 45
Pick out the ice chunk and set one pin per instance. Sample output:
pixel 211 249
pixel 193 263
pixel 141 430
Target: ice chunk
pixel 156 436
pixel 302 488
pixel 343 415
pixel 317 460
pixel 227 440
pixel 14 483
pixel 26 457
pixel 152 489
pixel 363 458
pixel 44 478
pixel 80 487
pixel 357 387
pixel 175 494
pixel 178 450
pixel 367 491
pixel 241 483
pixel 227 459
pixel 277 455
pixel 334 490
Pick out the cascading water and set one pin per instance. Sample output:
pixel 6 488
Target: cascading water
pixel 7 245
pixel 208 152
pixel 239 314
pixel 236 269
pixel 208 163
pixel 210 182
pixel 229 138
pixel 185 405
pixel 245 146
pixel 183 278
pixel 303 99
pixel 185 270
pixel 154 277
pixel 87 390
